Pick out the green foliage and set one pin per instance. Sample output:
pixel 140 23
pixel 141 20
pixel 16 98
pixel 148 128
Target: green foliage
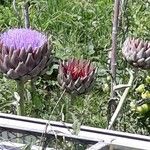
pixel 7 100
pixel 140 20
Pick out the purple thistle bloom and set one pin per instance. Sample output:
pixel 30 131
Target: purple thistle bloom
pixel 23 38
pixel 24 53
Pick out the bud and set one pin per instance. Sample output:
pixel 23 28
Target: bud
pixel 76 76
pixel 140 88
pixel 147 79
pixel 145 95
pixel 137 52
pixel 143 108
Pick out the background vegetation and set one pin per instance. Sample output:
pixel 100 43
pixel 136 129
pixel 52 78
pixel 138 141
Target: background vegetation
pixel 79 28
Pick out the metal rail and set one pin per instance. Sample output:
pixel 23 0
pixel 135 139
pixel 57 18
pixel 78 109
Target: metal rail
pixel 87 134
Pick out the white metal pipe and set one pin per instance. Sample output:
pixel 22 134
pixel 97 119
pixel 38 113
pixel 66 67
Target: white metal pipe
pixel 87 134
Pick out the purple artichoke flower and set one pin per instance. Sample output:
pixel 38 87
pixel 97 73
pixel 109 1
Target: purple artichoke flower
pixel 24 53
pixel 137 52
pixel 76 76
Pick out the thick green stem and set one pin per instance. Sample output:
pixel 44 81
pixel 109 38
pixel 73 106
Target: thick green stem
pixel 20 90
pixel 33 92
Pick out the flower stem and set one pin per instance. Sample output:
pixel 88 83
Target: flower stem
pixel 20 90
pixel 113 57
pixel 33 92
pixel 48 123
pixel 26 14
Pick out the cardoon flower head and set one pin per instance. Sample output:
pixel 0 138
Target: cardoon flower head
pixel 24 53
pixel 76 76
pixel 137 52
pixel 23 38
